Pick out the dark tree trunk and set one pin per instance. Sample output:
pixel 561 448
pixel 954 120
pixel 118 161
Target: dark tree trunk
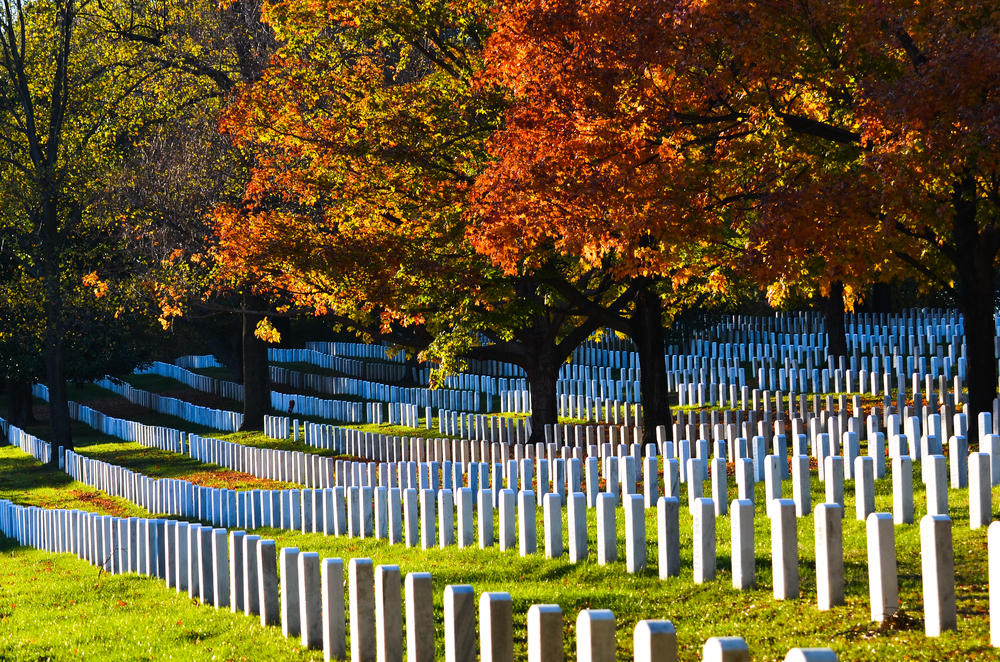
pixel 412 365
pixel 833 315
pixel 61 436
pixel 882 298
pixel 19 411
pixel 226 345
pixel 974 255
pixel 283 325
pixel 236 367
pixel 538 349
pixel 647 333
pixel 981 366
pixel 542 368
pixel 256 376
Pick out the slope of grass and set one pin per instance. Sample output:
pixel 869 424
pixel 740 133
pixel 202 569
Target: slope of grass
pixel 715 609
pixel 56 607
pixel 699 611
pixel 25 481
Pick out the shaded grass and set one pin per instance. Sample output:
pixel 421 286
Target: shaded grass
pixel 25 481
pixel 221 373
pixel 154 462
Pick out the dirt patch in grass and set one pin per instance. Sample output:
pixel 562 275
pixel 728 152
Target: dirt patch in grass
pixel 230 479
pixel 899 621
pixel 118 408
pixel 101 501
pixel 41 413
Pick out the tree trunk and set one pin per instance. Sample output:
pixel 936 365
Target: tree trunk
pixel 974 255
pixel 882 298
pixel 833 315
pixel 543 370
pixel 19 411
pixel 256 376
pixel 981 364
pixel 647 333
pixel 412 365
pixel 61 435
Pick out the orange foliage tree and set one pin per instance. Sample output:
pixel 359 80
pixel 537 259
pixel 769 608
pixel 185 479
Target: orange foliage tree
pixel 367 132
pixel 885 121
pixel 617 152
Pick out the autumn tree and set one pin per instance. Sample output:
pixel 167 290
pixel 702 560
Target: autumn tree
pixel 884 122
pixel 615 153
pixel 367 133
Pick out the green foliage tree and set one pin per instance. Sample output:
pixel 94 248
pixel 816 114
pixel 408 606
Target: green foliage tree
pixel 72 98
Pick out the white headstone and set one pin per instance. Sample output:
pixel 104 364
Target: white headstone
pixel 496 627
pixel 635 533
pixel 784 549
pixel 980 492
pixel 830 554
pixel 388 614
pixel 545 632
pixel 668 536
pixel 595 636
pixel 290 626
pixel 902 490
pixel 334 626
pixel 419 617
pixel 937 560
pixel 743 559
pixel 882 585
pixel 655 641
pixel 310 600
pixel 607 535
pixel 361 579
pixel 459 623
pixel 725 649
pixel 704 541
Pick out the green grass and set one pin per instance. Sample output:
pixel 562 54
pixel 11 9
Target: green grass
pixel 771 627
pixel 699 611
pixel 221 373
pixel 57 607
pixel 90 393
pixel 159 384
pixel 25 481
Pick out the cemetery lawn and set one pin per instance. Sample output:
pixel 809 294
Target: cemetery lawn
pixel 25 481
pixel 57 607
pixel 221 373
pixel 157 463
pixel 90 394
pixel 770 627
